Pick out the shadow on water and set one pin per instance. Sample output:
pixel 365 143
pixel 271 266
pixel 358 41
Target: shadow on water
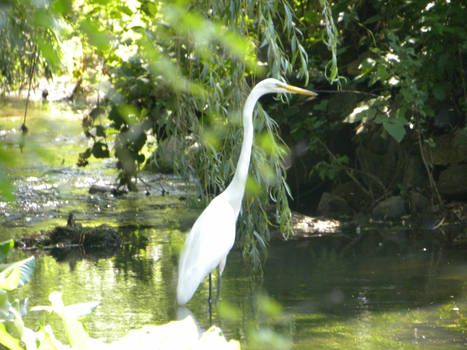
pixel 382 291
pixel 375 294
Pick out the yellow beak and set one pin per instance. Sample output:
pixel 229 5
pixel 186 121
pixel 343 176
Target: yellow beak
pixel 297 90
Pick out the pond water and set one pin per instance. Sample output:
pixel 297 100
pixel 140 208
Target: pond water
pixel 385 292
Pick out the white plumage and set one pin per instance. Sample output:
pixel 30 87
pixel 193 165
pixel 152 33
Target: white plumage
pixel 208 244
pixel 213 233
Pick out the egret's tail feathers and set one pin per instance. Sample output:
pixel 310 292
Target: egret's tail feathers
pixel 183 298
pixel 183 295
pixel 187 285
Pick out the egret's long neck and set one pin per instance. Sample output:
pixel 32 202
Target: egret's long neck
pixel 236 188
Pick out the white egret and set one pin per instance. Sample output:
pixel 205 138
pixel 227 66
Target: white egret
pixel 213 233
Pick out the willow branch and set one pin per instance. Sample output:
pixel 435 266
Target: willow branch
pixel 24 129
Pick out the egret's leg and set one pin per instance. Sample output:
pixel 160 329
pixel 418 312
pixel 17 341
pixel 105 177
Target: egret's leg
pixel 210 288
pixel 210 301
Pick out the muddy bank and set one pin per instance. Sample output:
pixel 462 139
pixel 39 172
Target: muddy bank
pixel 74 235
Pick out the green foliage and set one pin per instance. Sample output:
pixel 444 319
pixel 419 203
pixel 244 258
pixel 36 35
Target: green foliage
pixel 13 276
pixel 5 248
pixel 150 337
pixel 16 275
pixel 332 73
pixel 330 170
pixel 188 70
pixel 452 317
pixel 405 74
pixel 15 336
pixel 29 41
pixel 418 67
pixel 180 71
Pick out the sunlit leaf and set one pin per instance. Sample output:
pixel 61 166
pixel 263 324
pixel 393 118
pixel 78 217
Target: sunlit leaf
pixel 126 10
pixel 213 338
pixel 138 29
pixel 7 340
pixel 5 307
pixel 211 139
pixel 17 274
pixel 10 278
pixel 76 334
pixel 75 311
pixel 5 248
pixel 62 7
pixel 81 309
pixel 42 18
pixel 30 339
pixel 48 51
pixel 15 326
pixel 168 336
pixel 96 36
pixel 333 75
pixel 267 143
pixel 253 188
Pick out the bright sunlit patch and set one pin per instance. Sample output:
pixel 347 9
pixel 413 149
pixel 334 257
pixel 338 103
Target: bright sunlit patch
pixel 353 117
pixel 392 57
pixel 393 81
pixel 429 6
pixel 367 62
pixel 5 132
pixel 126 52
pixel 340 17
pixel 305 226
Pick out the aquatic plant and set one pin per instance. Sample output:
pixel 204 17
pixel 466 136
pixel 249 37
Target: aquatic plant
pixel 14 335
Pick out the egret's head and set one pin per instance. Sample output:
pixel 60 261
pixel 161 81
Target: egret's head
pixel 272 85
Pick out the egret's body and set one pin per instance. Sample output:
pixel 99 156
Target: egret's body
pixel 213 234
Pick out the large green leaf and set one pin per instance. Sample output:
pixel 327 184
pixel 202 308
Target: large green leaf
pixel 97 36
pixel 165 336
pixel 9 312
pixel 5 248
pixel 10 278
pixel 395 128
pixel 77 336
pixel 75 311
pixel 17 274
pixel 5 307
pixel 7 340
